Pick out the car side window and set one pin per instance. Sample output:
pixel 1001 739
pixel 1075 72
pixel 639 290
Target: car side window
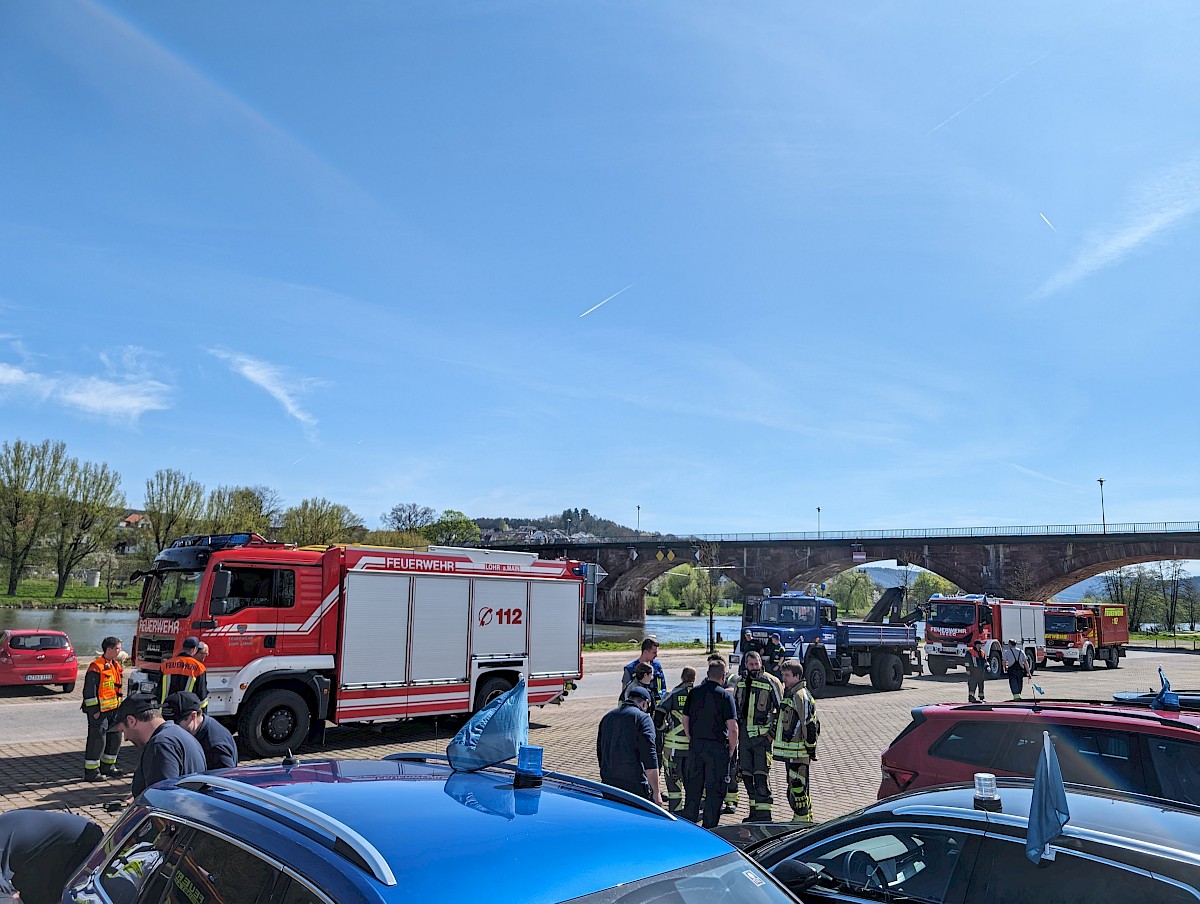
pixel 918 863
pixel 214 871
pixel 976 743
pixel 1006 876
pixel 1177 768
pixel 1087 756
pixel 138 872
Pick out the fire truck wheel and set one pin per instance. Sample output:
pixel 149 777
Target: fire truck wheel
pixel 995 668
pixel 1114 659
pixel 1088 661
pixel 888 674
pixel 489 689
pixel 275 722
pixel 937 665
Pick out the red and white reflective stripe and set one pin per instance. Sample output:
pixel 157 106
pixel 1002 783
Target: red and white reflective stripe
pixel 310 624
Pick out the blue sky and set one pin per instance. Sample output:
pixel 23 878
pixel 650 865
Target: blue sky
pixel 919 264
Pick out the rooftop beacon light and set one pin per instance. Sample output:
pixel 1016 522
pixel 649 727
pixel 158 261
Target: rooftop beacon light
pixel 987 797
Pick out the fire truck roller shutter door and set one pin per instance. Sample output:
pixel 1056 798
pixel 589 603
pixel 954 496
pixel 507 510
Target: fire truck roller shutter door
pixel 499 617
pixel 441 606
pixel 375 628
pixel 554 627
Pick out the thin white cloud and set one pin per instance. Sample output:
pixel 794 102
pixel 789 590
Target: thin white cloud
pixel 275 381
pixel 988 92
pixel 116 399
pixel 1164 203
pixel 1029 472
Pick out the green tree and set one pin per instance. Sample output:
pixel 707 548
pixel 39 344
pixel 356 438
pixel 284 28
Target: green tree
pixel 85 515
pixel 319 522
pixel 852 590
pixel 174 506
pixel 398 539
pixel 452 528
pixel 925 585
pixel 30 483
pixel 241 508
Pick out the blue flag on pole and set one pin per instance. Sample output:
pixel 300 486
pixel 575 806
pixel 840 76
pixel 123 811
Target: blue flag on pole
pixel 494 734
pixel 1048 811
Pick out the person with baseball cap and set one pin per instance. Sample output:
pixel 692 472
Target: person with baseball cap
pixel 167 750
pixel 625 746
pixel 185 672
pixel 184 709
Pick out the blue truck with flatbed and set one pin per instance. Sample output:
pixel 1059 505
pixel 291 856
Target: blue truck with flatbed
pixel 833 651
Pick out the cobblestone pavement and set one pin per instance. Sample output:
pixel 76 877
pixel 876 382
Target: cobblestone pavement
pixel 857 724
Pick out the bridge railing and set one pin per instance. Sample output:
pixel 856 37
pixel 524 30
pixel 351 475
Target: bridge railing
pixel 1041 530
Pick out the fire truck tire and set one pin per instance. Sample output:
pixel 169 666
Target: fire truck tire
pixel 995 665
pixel 1087 662
pixel 815 677
pixel 888 673
pixel 274 722
pixel 68 687
pixel 489 689
pixel 937 665
pixel 1114 659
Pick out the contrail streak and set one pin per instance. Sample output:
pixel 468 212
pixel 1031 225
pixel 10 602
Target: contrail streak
pixel 610 298
pixel 1048 223
pixel 987 92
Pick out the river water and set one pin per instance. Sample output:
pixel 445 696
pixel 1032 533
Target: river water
pixel 87 627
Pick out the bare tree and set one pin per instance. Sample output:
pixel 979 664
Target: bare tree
pixel 709 555
pixel 1130 587
pixel 30 479
pixel 174 504
pixel 85 516
pixel 408 516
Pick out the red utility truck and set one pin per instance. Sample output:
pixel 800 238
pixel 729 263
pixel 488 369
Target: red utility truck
pixel 1084 632
pixel 952 624
pixel 298 637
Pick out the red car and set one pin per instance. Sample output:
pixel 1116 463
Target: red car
pixel 37 656
pixel 1104 744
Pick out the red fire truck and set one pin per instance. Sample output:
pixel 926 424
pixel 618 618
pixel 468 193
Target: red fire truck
pixel 952 624
pixel 1085 632
pixel 301 636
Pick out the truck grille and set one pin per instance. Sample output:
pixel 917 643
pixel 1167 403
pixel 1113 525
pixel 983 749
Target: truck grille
pixel 155 649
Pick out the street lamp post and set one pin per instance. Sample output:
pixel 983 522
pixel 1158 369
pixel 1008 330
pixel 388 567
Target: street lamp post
pixel 1103 520
pixel 818 522
pixel 639 523
pixel 568 530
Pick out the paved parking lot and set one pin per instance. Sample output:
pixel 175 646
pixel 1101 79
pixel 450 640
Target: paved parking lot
pixel 857 724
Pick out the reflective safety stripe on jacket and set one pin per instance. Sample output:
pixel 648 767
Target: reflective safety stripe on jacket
pixel 102 685
pixel 675 738
pixel 188 670
pixel 797 710
pixel 758 701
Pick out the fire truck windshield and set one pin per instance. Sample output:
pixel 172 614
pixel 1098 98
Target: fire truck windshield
pixel 786 612
pixel 951 615
pixel 1060 624
pixel 170 594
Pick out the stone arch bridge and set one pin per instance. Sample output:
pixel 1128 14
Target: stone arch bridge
pixel 1030 563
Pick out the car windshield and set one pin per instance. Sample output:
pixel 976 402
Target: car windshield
pixel 951 615
pixel 170 594
pixel 731 879
pixel 781 612
pixel 1060 624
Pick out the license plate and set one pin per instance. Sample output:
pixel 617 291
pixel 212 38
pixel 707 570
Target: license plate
pixel 38 677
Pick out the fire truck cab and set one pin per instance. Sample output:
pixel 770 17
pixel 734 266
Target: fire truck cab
pixel 301 636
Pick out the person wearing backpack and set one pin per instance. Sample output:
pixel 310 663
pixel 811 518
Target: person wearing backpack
pixel 796 733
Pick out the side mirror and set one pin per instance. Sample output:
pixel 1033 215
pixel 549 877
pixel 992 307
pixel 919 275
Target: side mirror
pixel 796 876
pixel 222 581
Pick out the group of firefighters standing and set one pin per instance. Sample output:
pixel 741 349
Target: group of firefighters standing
pixel 708 735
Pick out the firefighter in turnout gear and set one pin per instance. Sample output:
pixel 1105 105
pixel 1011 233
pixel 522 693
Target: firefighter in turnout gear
pixel 796 738
pixel 101 697
pixel 675 741
pixel 758 696
pixel 185 673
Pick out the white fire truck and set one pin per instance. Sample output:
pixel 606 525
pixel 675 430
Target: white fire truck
pixel 301 636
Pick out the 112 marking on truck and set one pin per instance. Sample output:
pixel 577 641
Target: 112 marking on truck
pixel 301 636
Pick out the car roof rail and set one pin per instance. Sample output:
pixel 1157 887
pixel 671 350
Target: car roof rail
pixel 583 784
pixel 1128 710
pixel 346 842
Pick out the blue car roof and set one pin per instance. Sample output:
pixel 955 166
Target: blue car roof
pixel 448 835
